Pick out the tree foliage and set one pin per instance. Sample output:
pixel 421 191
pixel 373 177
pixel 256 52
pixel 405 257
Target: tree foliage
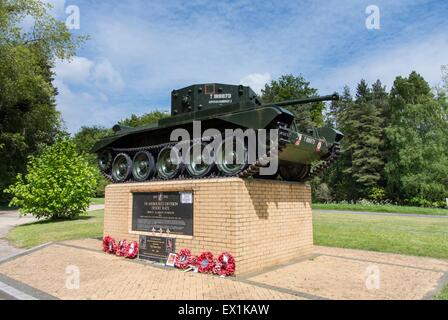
pixel 362 123
pixel 147 118
pixel 417 133
pixel 395 144
pixel 28 117
pixel 289 87
pixel 84 140
pixel 59 183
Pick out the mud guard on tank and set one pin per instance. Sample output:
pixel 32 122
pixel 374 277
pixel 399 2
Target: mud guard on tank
pixel 258 118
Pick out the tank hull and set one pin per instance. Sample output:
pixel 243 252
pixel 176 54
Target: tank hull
pixel 295 149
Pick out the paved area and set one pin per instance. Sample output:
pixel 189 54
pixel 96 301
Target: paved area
pixel 331 273
pixel 9 219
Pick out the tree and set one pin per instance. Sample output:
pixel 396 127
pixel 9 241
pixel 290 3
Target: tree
pixel 59 183
pixel 147 118
pixel 361 166
pixel 28 117
pixel 417 168
pixel 341 184
pixel 289 87
pixel 84 140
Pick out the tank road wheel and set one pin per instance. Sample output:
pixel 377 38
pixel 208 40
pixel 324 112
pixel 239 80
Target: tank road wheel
pixel 198 166
pixel 168 168
pixel 294 173
pixel 229 162
pixel 144 166
pixel 121 167
pixel 104 160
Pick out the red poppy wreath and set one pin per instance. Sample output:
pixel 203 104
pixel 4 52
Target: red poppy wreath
pixel 205 262
pixel 131 250
pixel 109 245
pixel 183 259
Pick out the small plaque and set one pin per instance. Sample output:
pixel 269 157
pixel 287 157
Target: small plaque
pixel 156 248
pixel 163 212
pixel 186 197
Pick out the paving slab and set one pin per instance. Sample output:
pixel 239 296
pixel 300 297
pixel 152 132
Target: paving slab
pixel 366 276
pixel 103 276
pixel 332 273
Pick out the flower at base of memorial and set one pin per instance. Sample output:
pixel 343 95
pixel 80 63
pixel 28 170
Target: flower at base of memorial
pixel 205 262
pixel 109 245
pixel 226 264
pixel 131 250
pixel 121 248
pixel 183 259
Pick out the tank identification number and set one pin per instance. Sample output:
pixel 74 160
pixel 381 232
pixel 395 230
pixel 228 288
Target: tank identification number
pixel 221 98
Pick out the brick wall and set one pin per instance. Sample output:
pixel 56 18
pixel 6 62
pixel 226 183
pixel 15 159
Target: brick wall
pixel 262 223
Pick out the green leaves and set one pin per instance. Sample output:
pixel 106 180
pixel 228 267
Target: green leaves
pixel 28 117
pixel 289 87
pixel 147 118
pixel 59 183
pixel 395 146
pixel 417 134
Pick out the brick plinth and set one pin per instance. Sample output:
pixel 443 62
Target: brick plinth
pixel 262 223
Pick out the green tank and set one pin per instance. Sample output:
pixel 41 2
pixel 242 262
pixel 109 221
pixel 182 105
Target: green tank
pixel 143 153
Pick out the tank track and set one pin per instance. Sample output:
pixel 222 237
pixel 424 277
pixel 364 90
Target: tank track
pixel 325 164
pixel 250 171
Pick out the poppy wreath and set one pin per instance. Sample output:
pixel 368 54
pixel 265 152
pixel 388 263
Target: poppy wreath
pixel 226 264
pixel 205 262
pixel 183 259
pixel 109 245
pixel 131 250
pixel 121 248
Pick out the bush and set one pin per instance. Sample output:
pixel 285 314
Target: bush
pixel 423 202
pixel 377 193
pixel 59 183
pixel 320 191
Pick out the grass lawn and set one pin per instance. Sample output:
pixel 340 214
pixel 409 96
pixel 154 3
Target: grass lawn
pixel 33 234
pixel 443 295
pixel 97 201
pixel 406 235
pixel 379 208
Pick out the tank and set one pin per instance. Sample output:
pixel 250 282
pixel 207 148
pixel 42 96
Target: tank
pixel 145 153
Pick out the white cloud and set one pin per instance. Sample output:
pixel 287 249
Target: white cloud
pixel 88 104
pixel 256 81
pixel 76 71
pixel 105 74
pixel 85 109
pixel 82 71
pixel 150 48
pixel 424 56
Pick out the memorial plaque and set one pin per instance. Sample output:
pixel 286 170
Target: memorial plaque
pixel 163 212
pixel 156 248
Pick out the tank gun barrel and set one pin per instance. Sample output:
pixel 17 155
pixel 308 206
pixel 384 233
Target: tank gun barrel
pixel 332 97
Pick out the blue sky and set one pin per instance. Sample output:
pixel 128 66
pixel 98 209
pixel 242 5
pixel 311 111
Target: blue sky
pixel 140 50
